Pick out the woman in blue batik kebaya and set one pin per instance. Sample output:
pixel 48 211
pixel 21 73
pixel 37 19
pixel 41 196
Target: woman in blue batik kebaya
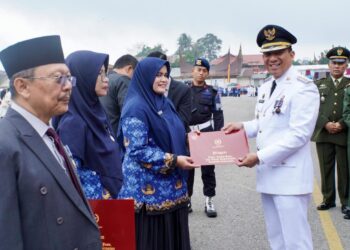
pixel 86 130
pixel 154 140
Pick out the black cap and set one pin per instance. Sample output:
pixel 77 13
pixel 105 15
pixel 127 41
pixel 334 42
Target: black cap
pixel 338 54
pixel 273 37
pixel 32 53
pixel 202 62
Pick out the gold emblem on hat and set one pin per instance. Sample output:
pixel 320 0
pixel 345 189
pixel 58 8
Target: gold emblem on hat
pixel 199 62
pixel 270 34
pixel 339 52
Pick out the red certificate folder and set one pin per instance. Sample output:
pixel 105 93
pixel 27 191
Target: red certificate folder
pixel 116 220
pixel 210 148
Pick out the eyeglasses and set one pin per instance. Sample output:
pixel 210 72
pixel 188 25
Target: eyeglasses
pixel 103 76
pixel 62 80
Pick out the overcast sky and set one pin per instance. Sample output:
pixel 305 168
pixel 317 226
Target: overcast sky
pixel 117 27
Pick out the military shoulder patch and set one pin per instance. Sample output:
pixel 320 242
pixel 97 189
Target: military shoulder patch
pixel 188 83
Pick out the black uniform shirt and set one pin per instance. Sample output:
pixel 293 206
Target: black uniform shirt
pixel 206 104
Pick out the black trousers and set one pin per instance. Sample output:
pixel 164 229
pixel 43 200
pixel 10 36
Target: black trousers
pixel 329 154
pixel 208 176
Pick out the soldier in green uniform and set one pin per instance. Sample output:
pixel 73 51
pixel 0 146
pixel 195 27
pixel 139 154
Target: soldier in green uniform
pixel 330 133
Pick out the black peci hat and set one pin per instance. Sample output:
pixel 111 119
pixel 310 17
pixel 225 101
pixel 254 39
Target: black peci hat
pixel 32 53
pixel 338 54
pixel 273 37
pixel 202 62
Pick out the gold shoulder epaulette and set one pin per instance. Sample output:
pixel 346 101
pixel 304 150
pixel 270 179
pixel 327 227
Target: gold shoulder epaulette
pixel 304 79
pixel 320 79
pixel 268 79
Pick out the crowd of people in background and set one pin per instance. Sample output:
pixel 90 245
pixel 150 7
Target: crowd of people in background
pixel 5 99
pixel 75 131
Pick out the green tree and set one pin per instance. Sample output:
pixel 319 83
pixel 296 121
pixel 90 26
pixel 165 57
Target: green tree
pixel 208 46
pixel 323 59
pixel 185 43
pixel 144 50
pixel 296 62
pixel 303 62
pixel 185 47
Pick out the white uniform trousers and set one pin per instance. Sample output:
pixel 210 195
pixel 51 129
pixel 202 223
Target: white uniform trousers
pixel 286 221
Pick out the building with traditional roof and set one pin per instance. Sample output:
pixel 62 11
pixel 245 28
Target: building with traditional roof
pixel 241 69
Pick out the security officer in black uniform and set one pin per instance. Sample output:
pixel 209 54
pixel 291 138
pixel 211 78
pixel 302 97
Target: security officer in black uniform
pixel 206 112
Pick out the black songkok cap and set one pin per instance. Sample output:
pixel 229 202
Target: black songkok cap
pixel 202 62
pixel 338 54
pixel 32 53
pixel 273 37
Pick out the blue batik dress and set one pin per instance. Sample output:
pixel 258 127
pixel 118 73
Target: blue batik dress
pixel 149 177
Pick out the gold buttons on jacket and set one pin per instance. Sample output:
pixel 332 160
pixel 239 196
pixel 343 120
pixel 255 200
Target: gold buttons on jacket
pixel 335 103
pixel 334 112
pixel 335 94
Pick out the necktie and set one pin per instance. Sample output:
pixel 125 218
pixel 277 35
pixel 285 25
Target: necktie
pixel 51 133
pixel 273 87
pixel 336 82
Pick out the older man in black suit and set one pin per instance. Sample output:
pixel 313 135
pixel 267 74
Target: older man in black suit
pixel 42 205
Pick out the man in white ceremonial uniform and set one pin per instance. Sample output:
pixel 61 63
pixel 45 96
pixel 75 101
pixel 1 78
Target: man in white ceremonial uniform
pixel 285 117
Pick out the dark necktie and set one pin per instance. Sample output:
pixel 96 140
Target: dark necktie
pixel 336 82
pixel 51 133
pixel 273 87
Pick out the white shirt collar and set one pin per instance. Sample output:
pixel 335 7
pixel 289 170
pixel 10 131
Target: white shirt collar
pixel 339 79
pixel 285 75
pixel 36 123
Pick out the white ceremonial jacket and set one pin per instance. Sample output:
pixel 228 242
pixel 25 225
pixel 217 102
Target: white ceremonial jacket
pixel 283 126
